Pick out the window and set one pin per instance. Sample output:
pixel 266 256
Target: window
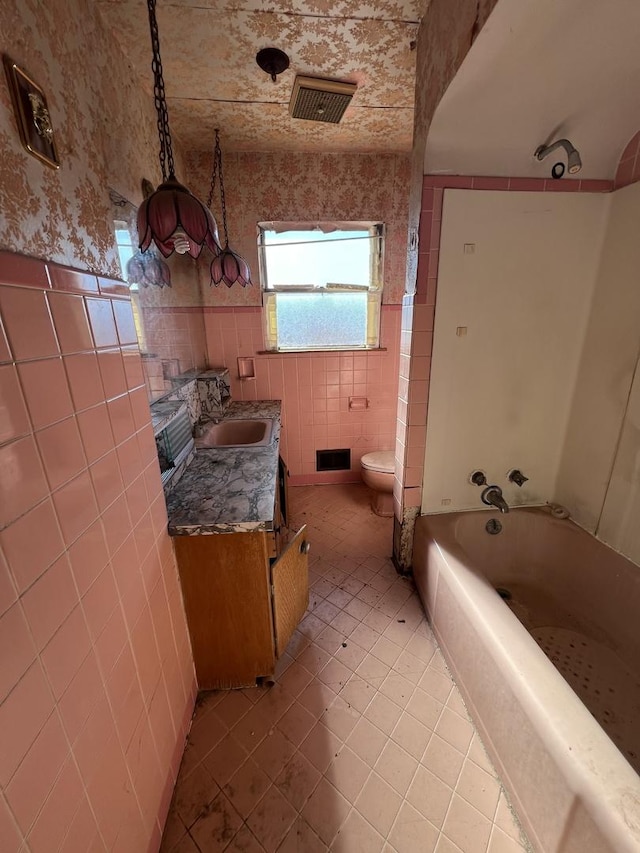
pixel 125 245
pixel 126 251
pixel 322 284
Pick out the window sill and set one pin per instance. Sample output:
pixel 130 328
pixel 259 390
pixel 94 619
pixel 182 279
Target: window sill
pixel 319 351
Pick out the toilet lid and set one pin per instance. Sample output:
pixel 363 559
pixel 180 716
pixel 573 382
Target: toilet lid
pixel 379 460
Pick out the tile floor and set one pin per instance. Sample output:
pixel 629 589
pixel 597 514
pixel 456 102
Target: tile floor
pixel 363 744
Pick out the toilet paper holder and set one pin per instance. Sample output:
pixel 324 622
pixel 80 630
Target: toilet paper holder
pixel 358 403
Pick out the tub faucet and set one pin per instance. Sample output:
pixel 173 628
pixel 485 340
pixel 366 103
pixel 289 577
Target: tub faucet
pixel 492 496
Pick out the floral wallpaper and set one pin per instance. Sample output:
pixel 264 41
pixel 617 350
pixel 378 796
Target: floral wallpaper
pixel 105 129
pixel 212 79
pixel 447 31
pixel 298 186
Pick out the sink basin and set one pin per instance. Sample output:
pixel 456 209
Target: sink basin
pixel 254 432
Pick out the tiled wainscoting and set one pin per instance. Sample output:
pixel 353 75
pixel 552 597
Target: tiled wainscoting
pixel 96 679
pixel 315 389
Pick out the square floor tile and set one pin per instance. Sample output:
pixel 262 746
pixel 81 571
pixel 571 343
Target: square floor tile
pixel 379 803
pixel 326 810
pixel 363 743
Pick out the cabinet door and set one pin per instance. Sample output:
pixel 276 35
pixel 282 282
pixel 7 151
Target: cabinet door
pixel 226 584
pixel 290 589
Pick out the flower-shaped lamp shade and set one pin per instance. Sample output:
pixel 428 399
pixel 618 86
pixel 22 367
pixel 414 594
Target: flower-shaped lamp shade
pixel 147 268
pixel 176 221
pixel 230 267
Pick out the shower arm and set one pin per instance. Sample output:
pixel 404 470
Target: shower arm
pixel 544 150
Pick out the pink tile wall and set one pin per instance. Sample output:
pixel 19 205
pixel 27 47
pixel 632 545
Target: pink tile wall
pixel 315 390
pixel 175 341
pixel 628 171
pixel 418 313
pixel 96 677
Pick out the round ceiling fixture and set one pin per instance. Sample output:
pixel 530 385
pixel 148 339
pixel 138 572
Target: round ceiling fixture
pixel 273 61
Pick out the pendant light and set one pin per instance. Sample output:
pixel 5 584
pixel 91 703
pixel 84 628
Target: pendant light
pixel 172 218
pixel 227 266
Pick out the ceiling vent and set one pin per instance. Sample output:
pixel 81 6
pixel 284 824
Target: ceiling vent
pixel 315 99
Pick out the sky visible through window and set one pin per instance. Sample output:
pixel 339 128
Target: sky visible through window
pixel 125 249
pixel 322 319
pixel 314 258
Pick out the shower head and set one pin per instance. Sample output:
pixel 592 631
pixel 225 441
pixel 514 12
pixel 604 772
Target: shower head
pixel 574 163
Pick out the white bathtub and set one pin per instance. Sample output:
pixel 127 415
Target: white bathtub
pixel 572 788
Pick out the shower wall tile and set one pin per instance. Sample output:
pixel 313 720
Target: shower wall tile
pixel 99 684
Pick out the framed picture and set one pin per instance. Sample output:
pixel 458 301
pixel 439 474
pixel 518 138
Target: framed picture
pixel 32 115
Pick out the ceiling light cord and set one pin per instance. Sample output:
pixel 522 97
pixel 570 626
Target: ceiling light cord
pixel 167 164
pixel 217 172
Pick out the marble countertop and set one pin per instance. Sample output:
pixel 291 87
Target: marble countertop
pixel 229 490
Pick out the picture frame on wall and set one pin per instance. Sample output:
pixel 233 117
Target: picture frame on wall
pixel 32 115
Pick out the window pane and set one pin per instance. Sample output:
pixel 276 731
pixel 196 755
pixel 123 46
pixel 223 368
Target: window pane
pixel 314 258
pixel 321 320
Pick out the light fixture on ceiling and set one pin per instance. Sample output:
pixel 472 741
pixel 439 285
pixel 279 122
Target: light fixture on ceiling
pixel 316 99
pixel 273 61
pixel 228 266
pixel 574 163
pixel 171 217
pixel 148 268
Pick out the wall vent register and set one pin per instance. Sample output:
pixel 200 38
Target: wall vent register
pixel 333 460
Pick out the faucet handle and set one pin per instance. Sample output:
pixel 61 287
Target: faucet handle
pixel 516 476
pixel 478 478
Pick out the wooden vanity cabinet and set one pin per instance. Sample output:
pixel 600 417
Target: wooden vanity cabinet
pixel 243 601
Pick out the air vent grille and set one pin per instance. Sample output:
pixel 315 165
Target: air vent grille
pixel 315 99
pixel 333 460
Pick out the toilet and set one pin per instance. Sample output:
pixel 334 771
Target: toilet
pixel 377 473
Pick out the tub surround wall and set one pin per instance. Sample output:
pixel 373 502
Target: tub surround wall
pixel 598 447
pixel 516 276
pixel 98 684
pixel 607 364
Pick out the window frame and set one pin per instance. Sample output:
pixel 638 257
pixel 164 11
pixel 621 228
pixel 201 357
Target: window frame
pixel 374 290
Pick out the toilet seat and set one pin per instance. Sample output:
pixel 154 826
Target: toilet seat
pixel 379 460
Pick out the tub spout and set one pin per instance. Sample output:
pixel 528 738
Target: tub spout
pixel 492 496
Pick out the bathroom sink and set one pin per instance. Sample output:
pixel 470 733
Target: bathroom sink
pixel 254 432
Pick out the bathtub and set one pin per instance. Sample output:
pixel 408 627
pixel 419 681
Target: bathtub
pixel 571 786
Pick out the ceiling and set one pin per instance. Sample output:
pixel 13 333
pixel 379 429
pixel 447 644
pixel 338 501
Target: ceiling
pixel 540 70
pixel 208 55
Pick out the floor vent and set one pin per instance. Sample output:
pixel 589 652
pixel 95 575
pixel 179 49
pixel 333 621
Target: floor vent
pixel 333 460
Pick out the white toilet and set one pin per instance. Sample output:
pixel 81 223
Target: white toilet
pixel 377 473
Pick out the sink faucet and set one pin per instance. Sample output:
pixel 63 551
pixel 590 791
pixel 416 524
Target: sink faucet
pixel 492 496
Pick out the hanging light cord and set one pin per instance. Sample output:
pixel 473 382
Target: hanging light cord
pixel 217 171
pixel 166 148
